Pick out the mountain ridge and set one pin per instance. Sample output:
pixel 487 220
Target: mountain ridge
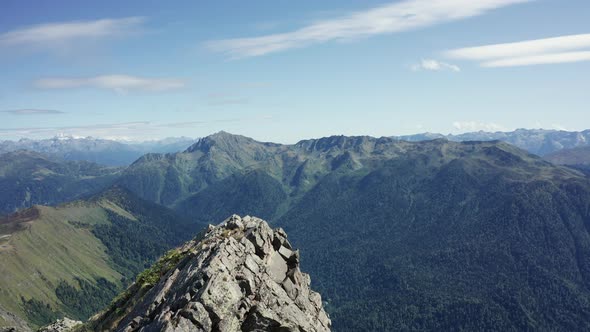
pixel 397 214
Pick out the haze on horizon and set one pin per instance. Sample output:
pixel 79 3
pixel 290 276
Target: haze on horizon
pixel 285 71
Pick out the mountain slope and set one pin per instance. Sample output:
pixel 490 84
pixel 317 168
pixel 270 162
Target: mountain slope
pixel 74 258
pixel 577 157
pixel 412 235
pixel 473 244
pixel 29 178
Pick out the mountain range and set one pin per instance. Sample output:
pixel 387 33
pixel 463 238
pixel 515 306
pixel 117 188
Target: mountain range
pixel 537 141
pixel 122 153
pixel 100 151
pixel 397 235
pixel 402 235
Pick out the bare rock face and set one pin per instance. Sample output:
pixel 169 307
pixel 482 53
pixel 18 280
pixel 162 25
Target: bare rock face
pixel 62 325
pixel 238 276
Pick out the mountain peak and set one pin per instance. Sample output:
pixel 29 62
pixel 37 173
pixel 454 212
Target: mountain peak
pixel 222 138
pixel 239 275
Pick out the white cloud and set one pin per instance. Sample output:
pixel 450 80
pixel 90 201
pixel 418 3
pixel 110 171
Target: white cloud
pixel 390 18
pixel 467 126
pixel 64 33
pixel 564 49
pixel 434 65
pixel 567 57
pixel 118 83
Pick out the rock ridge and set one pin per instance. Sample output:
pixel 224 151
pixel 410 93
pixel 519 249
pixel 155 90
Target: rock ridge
pixel 238 276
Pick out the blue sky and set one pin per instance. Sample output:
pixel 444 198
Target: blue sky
pixel 287 70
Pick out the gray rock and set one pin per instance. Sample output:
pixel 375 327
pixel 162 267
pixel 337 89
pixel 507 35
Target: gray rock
pixel 238 276
pixel 61 325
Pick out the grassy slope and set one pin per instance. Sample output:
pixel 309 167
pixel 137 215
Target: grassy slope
pixel 48 249
pixel 83 249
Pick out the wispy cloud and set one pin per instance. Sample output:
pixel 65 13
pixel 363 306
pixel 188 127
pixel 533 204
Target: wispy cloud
pixel 66 33
pixel 390 18
pixel 32 111
pixel 435 65
pixel 564 49
pixel 466 126
pixel 118 83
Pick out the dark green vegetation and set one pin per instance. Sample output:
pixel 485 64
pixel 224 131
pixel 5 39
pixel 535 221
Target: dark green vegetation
pixel 38 312
pixel 28 178
pixel 72 260
pixel 135 245
pixel 433 236
pixel 85 299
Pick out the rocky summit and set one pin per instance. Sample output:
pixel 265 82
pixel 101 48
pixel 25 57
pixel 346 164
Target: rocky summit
pixel 238 276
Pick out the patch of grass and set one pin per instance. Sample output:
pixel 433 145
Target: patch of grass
pixel 152 275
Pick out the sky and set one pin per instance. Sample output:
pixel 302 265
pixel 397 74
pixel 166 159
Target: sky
pixel 282 71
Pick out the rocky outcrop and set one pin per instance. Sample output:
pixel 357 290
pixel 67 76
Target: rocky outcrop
pixel 62 325
pixel 238 276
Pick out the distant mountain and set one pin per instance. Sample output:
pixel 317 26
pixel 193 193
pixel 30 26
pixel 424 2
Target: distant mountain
pixel 28 178
pixel 101 151
pixel 537 141
pixel 434 235
pixel 73 259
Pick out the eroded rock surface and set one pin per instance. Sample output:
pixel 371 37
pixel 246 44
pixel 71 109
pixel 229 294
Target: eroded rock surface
pixel 238 276
pixel 62 325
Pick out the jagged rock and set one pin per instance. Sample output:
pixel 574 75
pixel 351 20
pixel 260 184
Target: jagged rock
pixel 62 325
pixel 238 276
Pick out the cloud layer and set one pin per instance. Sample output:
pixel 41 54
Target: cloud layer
pixel 564 49
pixel 391 18
pixel 64 33
pixel 118 83
pixel 32 111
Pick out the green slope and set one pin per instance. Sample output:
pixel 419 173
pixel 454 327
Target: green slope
pixel 71 260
